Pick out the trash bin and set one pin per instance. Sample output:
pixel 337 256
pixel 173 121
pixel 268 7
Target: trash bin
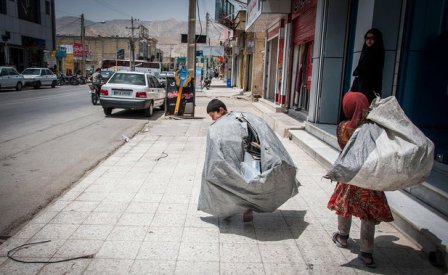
pixel 229 83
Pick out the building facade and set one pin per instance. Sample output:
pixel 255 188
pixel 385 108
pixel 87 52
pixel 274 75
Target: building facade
pixel 27 29
pixel 313 46
pixel 100 48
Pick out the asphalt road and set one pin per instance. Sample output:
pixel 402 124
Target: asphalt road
pixel 49 138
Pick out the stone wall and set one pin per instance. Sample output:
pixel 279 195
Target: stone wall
pixel 258 64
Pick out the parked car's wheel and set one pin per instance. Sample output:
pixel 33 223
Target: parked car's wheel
pixel 150 111
pixel 53 84
pixel 19 86
pixel 107 111
pixel 37 85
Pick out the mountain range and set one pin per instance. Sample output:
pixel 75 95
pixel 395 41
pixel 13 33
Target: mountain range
pixel 167 32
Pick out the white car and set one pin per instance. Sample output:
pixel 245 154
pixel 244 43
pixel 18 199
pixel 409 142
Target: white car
pixel 134 91
pixel 37 77
pixel 10 78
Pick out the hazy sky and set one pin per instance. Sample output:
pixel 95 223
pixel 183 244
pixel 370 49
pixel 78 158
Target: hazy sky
pixel 147 10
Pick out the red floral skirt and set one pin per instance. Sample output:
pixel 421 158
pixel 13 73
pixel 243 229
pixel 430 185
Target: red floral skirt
pixel 363 203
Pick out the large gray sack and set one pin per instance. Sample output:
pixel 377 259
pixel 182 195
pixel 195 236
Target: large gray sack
pixel 224 189
pixel 386 153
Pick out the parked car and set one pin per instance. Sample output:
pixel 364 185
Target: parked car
pixel 132 90
pixel 38 77
pixel 10 78
pixel 162 78
pixel 163 75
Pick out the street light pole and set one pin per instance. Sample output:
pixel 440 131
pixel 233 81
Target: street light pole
pixel 83 37
pixel 132 46
pixel 207 60
pixel 191 53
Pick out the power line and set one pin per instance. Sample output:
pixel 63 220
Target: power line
pixel 110 7
pixel 62 11
pixel 65 25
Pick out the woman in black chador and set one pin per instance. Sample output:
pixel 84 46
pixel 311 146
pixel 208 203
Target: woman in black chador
pixel 369 72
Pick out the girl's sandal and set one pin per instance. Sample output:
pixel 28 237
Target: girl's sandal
pixel 367 259
pixel 338 240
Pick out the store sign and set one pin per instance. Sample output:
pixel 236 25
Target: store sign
pixel 253 12
pixel 61 52
pixel 250 47
pixel 120 54
pixel 211 50
pixel 68 48
pixel 77 50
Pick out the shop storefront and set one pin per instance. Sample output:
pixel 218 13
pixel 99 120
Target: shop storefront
pixel 270 17
pixel 303 27
pixel 272 64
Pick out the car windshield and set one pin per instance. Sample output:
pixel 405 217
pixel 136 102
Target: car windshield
pixel 31 72
pixel 106 74
pixel 133 79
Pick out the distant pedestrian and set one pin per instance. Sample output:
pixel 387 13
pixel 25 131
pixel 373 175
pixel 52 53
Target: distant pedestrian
pixel 369 72
pixel 349 200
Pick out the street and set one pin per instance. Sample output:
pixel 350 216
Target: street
pixel 49 138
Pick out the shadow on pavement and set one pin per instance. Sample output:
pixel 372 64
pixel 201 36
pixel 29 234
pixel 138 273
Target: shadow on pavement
pixel 265 227
pixel 392 257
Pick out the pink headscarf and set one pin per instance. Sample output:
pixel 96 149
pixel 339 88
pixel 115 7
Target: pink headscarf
pixel 353 106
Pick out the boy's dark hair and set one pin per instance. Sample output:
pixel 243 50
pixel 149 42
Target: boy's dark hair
pixel 214 105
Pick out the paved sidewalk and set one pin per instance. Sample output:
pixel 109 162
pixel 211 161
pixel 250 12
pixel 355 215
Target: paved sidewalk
pixel 137 213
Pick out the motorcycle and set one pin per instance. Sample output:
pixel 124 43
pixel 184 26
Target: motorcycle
pixel 95 93
pixel 73 80
pixel 207 83
pixel 63 79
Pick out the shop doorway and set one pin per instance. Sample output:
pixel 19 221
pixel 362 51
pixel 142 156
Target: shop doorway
pixel 271 77
pixel 300 99
pixel 249 72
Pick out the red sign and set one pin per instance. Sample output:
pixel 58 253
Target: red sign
pixel 77 50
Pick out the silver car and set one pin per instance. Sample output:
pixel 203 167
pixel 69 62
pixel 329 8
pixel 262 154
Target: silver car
pixel 37 77
pixel 10 78
pixel 132 90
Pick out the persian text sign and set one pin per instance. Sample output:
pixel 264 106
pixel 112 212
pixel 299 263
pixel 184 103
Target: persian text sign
pixel 77 50
pixel 253 12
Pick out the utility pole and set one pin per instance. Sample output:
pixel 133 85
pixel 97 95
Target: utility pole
pixel 131 44
pixel 83 38
pixel 171 48
pixel 191 53
pixel 207 41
